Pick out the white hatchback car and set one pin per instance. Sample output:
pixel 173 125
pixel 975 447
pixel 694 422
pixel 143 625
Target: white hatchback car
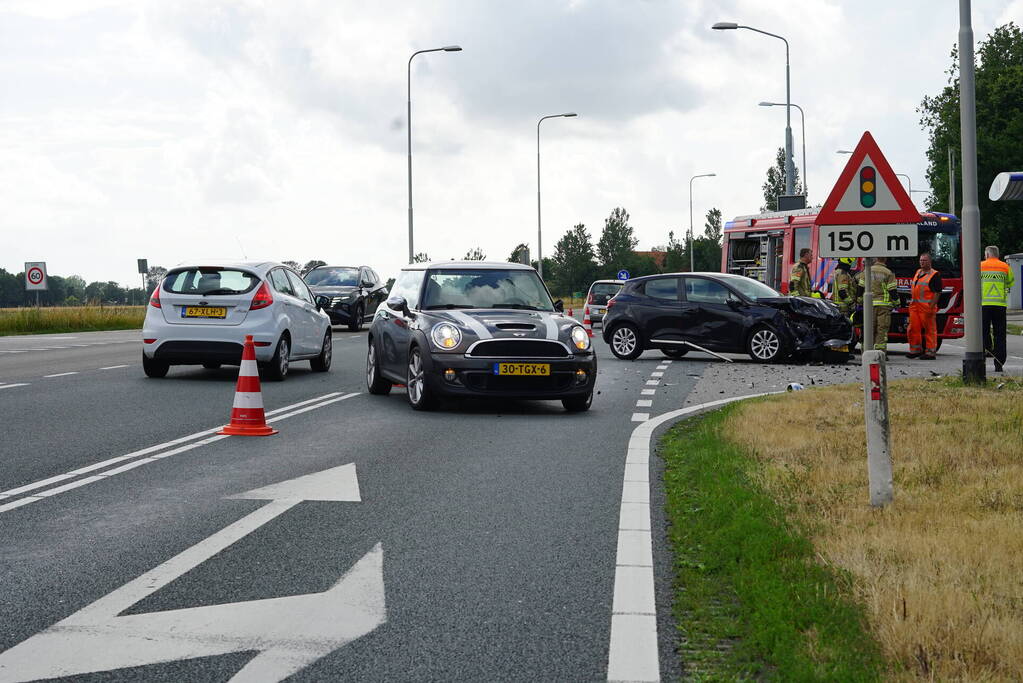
pixel 201 313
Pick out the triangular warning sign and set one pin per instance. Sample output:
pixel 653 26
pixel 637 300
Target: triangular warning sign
pixel 868 192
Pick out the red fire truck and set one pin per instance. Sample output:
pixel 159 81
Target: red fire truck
pixel 765 247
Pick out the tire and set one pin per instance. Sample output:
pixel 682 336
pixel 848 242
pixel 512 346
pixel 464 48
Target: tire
pixel 764 344
pixel 154 368
pixel 375 382
pixel 322 362
pixel 419 396
pixel 211 366
pixel 578 404
pixel 625 342
pixel 355 324
pixel 277 368
pixel 675 353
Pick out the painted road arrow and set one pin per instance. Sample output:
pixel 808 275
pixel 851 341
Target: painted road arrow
pixel 287 633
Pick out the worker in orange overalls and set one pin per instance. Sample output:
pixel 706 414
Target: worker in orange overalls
pixel 923 307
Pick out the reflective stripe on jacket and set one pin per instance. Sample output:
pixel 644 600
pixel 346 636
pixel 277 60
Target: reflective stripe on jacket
pixel 995 281
pixel 799 280
pixel 921 291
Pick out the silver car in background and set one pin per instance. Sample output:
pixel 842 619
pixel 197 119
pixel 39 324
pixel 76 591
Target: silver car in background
pixel 201 313
pixel 600 293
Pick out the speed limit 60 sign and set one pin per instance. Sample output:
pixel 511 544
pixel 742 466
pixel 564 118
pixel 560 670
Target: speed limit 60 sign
pixel 867 240
pixel 35 276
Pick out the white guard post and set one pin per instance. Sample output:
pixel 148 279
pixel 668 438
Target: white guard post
pixel 875 409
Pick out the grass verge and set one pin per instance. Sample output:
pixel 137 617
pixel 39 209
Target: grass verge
pixel 750 598
pixel 70 319
pixel 1014 329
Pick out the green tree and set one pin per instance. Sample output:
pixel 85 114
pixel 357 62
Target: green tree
pixel 294 265
pixel 999 88
pixel 774 184
pixel 421 257
pixel 475 254
pixel 519 253
pixel 712 227
pixel 95 292
pixel 154 277
pixel 573 261
pixel 75 287
pixel 312 264
pixel 677 259
pixel 617 242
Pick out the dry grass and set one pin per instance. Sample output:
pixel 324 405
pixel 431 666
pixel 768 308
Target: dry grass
pixel 70 319
pixel 941 571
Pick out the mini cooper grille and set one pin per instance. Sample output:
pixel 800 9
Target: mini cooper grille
pixel 519 348
pixel 479 381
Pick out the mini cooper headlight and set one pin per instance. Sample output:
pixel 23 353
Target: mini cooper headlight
pixel 446 336
pixel 580 338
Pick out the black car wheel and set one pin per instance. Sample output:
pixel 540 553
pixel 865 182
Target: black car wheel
pixel 419 396
pixel 578 404
pixel 376 384
pixel 277 368
pixel 154 368
pixel 355 324
pixel 322 362
pixel 625 342
pixel 211 366
pixel 764 345
pixel 675 353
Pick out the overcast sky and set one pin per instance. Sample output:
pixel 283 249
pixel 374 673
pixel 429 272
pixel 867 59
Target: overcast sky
pixel 180 129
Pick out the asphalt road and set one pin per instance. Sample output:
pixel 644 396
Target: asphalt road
pixel 493 527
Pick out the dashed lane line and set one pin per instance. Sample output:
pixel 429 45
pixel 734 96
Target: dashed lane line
pixel 640 417
pixel 652 382
pixel 644 403
pixel 648 392
pixel 61 374
pixel 114 367
pixel 156 452
pixel 11 386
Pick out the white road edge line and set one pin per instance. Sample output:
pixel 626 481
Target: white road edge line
pixel 145 451
pixel 11 386
pixel 132 465
pixel 61 374
pixel 633 649
pixel 113 367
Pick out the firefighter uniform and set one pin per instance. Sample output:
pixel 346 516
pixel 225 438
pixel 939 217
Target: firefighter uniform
pixel 995 281
pixel 799 280
pixel 882 287
pixel 925 290
pixel 843 291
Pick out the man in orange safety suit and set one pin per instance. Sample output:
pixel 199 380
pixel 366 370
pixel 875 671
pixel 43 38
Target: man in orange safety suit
pixel 925 291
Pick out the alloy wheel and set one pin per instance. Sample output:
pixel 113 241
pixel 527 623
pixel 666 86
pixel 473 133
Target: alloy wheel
pixel 285 351
pixel 765 344
pixel 371 365
pixel 624 341
pixel 415 377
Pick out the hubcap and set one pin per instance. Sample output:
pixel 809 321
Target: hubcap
pixel 285 356
pixel 371 365
pixel 415 377
pixel 328 350
pixel 764 344
pixel 624 341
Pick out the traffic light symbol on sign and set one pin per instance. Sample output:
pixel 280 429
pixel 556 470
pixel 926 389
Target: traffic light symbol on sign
pixel 868 187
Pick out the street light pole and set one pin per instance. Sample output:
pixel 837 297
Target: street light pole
pixel 408 122
pixel 974 371
pixel 908 180
pixel 702 175
pixel 802 122
pixel 729 25
pixel 539 231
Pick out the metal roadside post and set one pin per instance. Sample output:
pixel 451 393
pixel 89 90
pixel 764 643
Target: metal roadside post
pixel 879 447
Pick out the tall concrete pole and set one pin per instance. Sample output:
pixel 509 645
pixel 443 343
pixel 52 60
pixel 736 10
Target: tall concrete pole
pixel 974 371
pixel 539 231
pixel 790 185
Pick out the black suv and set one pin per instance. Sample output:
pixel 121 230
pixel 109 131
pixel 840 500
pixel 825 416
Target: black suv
pixel 353 293
pixel 473 329
pixel 722 313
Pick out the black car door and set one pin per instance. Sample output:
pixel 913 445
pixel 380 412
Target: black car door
pixel 658 311
pixel 717 316
pixel 376 292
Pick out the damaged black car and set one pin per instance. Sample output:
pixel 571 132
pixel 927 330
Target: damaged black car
pixel 723 313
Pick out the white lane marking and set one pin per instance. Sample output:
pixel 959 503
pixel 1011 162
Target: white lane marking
pixel 644 403
pixel 662 367
pixel 11 386
pixel 640 417
pixel 15 351
pixel 667 362
pixel 61 374
pixel 145 451
pixel 648 392
pixel 288 633
pixel 633 648
pixel 113 367
pixel 657 374
pixel 652 382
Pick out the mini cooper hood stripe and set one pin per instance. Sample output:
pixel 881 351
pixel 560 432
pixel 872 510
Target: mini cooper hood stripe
pixel 485 324
pixel 472 323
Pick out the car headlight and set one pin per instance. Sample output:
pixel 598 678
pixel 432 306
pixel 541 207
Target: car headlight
pixel 446 336
pixel 580 338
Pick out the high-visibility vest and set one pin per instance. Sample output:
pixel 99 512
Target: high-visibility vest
pixel 921 291
pixel 882 285
pixel 843 288
pixel 995 281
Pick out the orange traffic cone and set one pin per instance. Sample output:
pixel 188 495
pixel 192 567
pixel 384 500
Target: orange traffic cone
pixel 570 313
pixel 247 417
pixel 587 323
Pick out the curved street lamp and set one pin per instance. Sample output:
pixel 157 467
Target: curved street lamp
pixel 539 233
pixel 702 175
pixel 802 120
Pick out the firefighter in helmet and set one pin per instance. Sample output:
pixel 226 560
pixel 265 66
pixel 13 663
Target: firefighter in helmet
pixel 800 283
pixel 843 287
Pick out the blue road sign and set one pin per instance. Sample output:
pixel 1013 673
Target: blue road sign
pixel 623 274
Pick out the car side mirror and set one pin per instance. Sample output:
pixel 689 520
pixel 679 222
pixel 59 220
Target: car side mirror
pixel 322 302
pixel 559 306
pixel 366 284
pixel 398 303
pixel 734 303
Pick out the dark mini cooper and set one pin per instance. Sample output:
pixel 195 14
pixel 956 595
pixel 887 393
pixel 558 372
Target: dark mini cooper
pixel 722 313
pixel 473 329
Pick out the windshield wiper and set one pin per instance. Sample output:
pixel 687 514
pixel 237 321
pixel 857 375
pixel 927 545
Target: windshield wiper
pixel 516 306
pixel 447 306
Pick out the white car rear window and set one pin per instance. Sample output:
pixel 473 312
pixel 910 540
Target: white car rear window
pixel 209 281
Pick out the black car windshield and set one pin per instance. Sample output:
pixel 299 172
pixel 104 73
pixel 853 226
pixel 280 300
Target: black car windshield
pixel 332 277
pixel 751 289
pixel 209 281
pixel 485 288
